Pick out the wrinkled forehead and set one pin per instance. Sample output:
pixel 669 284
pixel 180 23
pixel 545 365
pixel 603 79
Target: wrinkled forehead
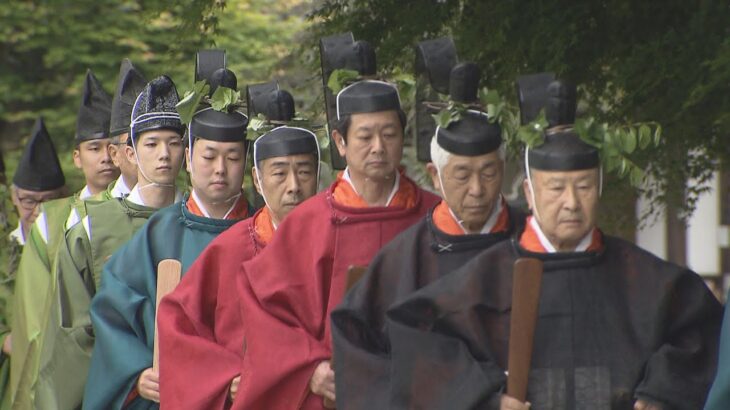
pixel 375 120
pixel 475 162
pixel 544 177
pixel 301 160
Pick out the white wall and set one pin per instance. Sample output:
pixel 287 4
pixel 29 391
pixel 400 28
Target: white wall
pixel 703 233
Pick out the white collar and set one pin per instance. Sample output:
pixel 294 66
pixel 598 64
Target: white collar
pixel 545 242
pixel 136 198
pixel 205 211
pixel 396 185
pixel 17 234
pixel 120 189
pixel 85 193
pixel 491 221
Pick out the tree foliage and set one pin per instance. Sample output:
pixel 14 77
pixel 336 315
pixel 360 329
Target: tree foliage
pixel 665 61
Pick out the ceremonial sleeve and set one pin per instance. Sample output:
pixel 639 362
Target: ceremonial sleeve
pixel 29 316
pixel 199 325
pixel 441 356
pixel 123 316
pixel 68 339
pixel 680 371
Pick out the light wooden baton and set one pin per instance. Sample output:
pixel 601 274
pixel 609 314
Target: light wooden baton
pixel 526 281
pixel 168 276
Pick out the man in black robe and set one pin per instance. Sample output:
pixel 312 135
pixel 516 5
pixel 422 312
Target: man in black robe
pixel 467 169
pixel 617 327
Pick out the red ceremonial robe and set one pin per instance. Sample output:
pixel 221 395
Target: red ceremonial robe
pixel 201 336
pixel 289 290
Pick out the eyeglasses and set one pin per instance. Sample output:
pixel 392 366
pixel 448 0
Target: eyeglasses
pixel 29 203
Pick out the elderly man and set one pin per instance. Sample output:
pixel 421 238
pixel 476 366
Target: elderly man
pixel 467 168
pixel 200 351
pixel 289 290
pixel 617 327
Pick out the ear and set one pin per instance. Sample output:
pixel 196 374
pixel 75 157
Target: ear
pixel 528 195
pixel 114 153
pixel 434 173
pixel 254 177
pixel 187 160
pixel 77 157
pixel 339 140
pixel 129 152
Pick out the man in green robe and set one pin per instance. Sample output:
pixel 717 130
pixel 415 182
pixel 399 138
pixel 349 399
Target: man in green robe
pixel 156 151
pixel 123 310
pixel 34 272
pixel 38 178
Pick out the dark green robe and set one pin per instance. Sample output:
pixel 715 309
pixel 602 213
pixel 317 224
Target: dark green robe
pixel 123 310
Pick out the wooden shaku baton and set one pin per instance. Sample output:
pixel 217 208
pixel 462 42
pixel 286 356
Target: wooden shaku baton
pixel 168 276
pixel 526 280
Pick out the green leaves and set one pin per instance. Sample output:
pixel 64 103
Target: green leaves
pixel 188 106
pixel 339 79
pixel 224 99
pixel 533 134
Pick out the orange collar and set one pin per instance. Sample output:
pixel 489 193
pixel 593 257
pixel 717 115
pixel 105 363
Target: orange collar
pixel 239 211
pixel 530 239
pixel 344 193
pixel 444 220
pixel 263 225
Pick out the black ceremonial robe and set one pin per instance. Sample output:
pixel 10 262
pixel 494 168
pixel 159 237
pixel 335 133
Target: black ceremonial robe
pixel 413 259
pixel 613 326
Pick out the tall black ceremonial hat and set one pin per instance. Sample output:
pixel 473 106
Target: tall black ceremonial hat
pixel 472 135
pixel 267 99
pixel 532 94
pixel 222 77
pixel 155 108
pixel 130 83
pixel 219 126
pixel 207 62
pixel 284 141
pixel 39 168
pixel 563 149
pixel 367 96
pixel 94 114
pixel 435 58
pixel 464 83
pixel 341 51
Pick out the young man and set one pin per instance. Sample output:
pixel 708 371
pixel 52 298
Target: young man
pixel 200 326
pixel 123 310
pixel 289 290
pixel 156 152
pixel 617 328
pixel 467 168
pixel 34 276
pixel 130 84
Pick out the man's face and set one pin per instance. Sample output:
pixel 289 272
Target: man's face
pixel 471 186
pixel 374 144
pixel 286 182
pixel 159 156
pixel 217 170
pixel 119 158
pixel 566 204
pixel 93 158
pixel 27 203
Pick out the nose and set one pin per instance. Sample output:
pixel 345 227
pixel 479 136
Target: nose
pixel 377 145
pixel 164 151
pixel 107 158
pixel 219 168
pixel 293 186
pixel 570 199
pixel 475 186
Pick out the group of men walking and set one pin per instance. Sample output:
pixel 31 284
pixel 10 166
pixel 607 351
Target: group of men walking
pixel 269 313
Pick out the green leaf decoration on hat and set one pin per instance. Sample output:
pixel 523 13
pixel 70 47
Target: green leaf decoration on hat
pixel 188 106
pixel 225 99
pixel 341 78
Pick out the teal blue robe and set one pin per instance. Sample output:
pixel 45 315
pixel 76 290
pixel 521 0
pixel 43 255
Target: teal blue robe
pixel 123 310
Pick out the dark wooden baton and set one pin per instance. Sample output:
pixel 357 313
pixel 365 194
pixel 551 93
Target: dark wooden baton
pixel 526 280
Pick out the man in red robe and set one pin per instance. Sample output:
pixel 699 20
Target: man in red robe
pixel 289 290
pixel 201 334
